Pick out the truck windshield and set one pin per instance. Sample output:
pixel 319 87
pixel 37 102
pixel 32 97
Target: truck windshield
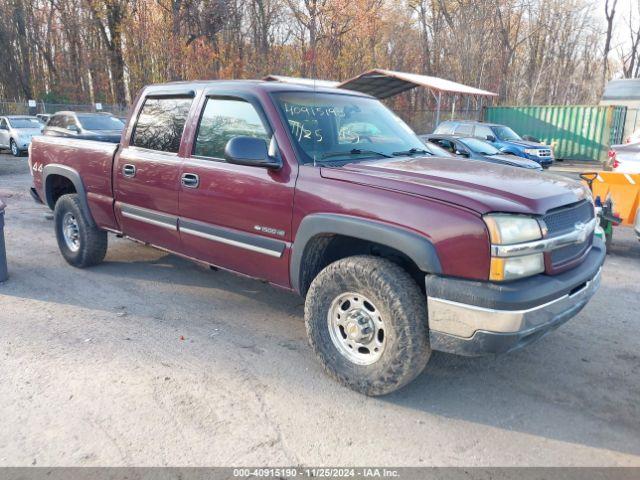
pixel 506 134
pixel 100 122
pixel 328 127
pixel 24 123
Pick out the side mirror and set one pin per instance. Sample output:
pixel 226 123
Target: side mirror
pixel 463 153
pixel 73 128
pixel 250 151
pixel 490 138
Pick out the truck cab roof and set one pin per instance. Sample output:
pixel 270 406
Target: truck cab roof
pixel 190 87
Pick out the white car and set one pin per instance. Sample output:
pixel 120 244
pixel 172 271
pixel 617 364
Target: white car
pixel 634 137
pixel 625 158
pixel 16 132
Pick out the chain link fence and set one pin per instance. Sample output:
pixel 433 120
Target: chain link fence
pixel 22 108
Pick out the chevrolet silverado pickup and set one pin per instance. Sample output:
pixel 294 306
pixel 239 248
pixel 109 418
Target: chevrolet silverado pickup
pixel 326 192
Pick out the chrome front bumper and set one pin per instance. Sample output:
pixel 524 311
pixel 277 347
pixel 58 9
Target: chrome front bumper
pixel 465 328
pixel 464 320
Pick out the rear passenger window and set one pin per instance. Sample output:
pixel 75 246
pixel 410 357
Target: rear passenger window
pixel 55 121
pixel 224 119
pixel 463 129
pixel 160 124
pixel 483 132
pixel 445 128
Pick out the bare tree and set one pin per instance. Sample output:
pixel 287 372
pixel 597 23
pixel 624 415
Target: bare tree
pixel 609 13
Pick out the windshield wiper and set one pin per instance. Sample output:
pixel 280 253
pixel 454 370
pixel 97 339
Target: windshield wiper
pixel 355 151
pixel 411 151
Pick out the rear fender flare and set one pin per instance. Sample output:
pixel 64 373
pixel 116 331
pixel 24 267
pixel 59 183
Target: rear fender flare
pixel 417 247
pixel 73 176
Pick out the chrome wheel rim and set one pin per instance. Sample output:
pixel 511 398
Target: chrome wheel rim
pixel 14 148
pixel 71 232
pixel 357 328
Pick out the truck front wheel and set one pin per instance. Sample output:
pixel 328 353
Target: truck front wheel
pixel 81 243
pixel 367 322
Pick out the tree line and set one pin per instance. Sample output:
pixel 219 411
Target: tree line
pixel 87 51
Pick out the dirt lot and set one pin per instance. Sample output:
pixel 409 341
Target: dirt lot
pixel 151 360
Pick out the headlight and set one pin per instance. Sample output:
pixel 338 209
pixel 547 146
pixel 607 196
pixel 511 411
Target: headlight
pixel 531 151
pixel 512 268
pixel 505 229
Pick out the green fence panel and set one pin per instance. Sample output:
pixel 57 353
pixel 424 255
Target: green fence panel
pixel 580 132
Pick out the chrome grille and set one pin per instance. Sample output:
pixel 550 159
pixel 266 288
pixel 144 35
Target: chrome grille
pixel 565 254
pixel 544 153
pixel 563 219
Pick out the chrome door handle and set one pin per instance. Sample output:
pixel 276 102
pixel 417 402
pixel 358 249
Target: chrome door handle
pixel 129 170
pixel 190 180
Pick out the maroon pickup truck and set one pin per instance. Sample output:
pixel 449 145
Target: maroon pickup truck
pixel 325 192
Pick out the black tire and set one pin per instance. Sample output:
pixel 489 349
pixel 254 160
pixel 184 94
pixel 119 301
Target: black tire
pixel 92 242
pixel 15 151
pixel 403 307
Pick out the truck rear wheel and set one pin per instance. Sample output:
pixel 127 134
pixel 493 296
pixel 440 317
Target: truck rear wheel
pixel 367 322
pixel 81 243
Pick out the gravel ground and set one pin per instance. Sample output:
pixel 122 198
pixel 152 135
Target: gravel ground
pixel 149 359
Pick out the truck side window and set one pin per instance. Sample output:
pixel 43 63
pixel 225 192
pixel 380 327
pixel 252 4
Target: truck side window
pixel 483 132
pixel 160 124
pixel 463 129
pixel 222 120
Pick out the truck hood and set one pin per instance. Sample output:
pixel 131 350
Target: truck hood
pixel 112 136
pixel 476 185
pixel 28 132
pixel 525 144
pixel 514 161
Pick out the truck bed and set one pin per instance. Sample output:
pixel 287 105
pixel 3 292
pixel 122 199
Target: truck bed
pixel 92 160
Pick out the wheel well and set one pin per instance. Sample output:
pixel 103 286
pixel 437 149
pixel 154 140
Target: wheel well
pixel 325 249
pixel 56 186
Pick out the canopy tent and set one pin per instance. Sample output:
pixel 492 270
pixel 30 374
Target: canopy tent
pixel 387 83
pixel 301 81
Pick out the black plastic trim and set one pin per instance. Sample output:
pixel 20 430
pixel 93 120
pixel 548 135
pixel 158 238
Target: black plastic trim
pixel 248 239
pixel 74 177
pixel 417 247
pixel 520 294
pixel 34 195
pixel 165 218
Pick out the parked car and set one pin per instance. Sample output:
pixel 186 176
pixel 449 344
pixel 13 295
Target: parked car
pixel 624 158
pixel 476 149
pixel 16 132
pixel 101 127
pixel 636 225
pixel 43 117
pixel 501 137
pixel 634 137
pixel 254 177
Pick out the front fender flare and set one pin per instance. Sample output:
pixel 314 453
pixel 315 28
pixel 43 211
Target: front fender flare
pixel 417 247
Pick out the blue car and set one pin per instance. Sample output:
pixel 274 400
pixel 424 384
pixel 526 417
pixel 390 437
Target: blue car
pixel 501 137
